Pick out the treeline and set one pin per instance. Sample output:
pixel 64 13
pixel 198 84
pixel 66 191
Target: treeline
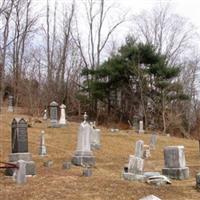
pixel 69 52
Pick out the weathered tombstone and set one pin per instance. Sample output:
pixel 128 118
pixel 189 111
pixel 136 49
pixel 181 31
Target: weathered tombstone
pixel 62 120
pixel 10 103
pixel 198 181
pixel 95 137
pixel 87 171
pixel 67 165
pixel 83 155
pixel 141 127
pixel 135 169
pixel 150 197
pixel 42 148
pixel 54 114
pixel 20 173
pixel 45 115
pixel 174 163
pixel 20 146
pixel 139 149
pixel 153 140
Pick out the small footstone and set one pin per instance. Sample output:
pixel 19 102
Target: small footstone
pixel 87 172
pixel 67 165
pixel 48 163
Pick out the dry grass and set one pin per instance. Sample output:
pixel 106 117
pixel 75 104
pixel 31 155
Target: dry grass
pixel 106 182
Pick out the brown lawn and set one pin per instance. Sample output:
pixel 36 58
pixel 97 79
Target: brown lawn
pixel 106 182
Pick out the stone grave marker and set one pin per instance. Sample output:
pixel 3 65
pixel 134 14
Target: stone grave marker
pixel 139 149
pixel 54 115
pixel 45 115
pixel 62 120
pixel 95 137
pixel 10 103
pixel 174 163
pixel 153 140
pixel 20 173
pixel 83 155
pixel 19 137
pixel 141 127
pixel 150 197
pixel 42 148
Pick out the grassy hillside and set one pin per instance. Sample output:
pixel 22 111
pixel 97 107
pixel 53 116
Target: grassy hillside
pixel 106 182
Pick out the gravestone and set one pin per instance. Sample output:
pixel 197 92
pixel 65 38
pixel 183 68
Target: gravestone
pixel 147 152
pixel 62 120
pixel 20 146
pixel 42 148
pixel 20 173
pixel 95 137
pixel 45 115
pixel 83 155
pixel 174 163
pixel 153 140
pixel 10 103
pixel 141 127
pixel 54 115
pixel 135 169
pixel 139 149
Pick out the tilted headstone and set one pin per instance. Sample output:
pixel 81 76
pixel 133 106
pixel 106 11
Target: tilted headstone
pixel 62 120
pixel 19 137
pixel 20 173
pixel 153 140
pixel 83 155
pixel 10 103
pixel 45 115
pixel 141 127
pixel 139 149
pixel 174 163
pixel 42 148
pixel 54 114
pixel 135 165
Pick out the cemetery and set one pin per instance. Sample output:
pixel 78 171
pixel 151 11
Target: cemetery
pixel 99 100
pixel 61 166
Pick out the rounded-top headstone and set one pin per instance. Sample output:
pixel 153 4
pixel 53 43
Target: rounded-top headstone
pixel 53 104
pixel 62 106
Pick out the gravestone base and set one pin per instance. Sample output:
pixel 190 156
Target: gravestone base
pixel 133 177
pixel 83 159
pixel 176 173
pixel 54 126
pixel 95 146
pixel 30 165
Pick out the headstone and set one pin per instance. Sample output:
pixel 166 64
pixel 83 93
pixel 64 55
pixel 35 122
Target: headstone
pixel 10 103
pixel 139 149
pixel 62 120
pixel 150 197
pixel 45 115
pixel 19 136
pixel 20 147
pixel 174 163
pixel 158 180
pixel 135 165
pixel 87 171
pixel 67 165
pixel 141 127
pixel 198 181
pixel 95 138
pixel 83 155
pixel 54 114
pixel 42 148
pixel 20 173
pixel 153 140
